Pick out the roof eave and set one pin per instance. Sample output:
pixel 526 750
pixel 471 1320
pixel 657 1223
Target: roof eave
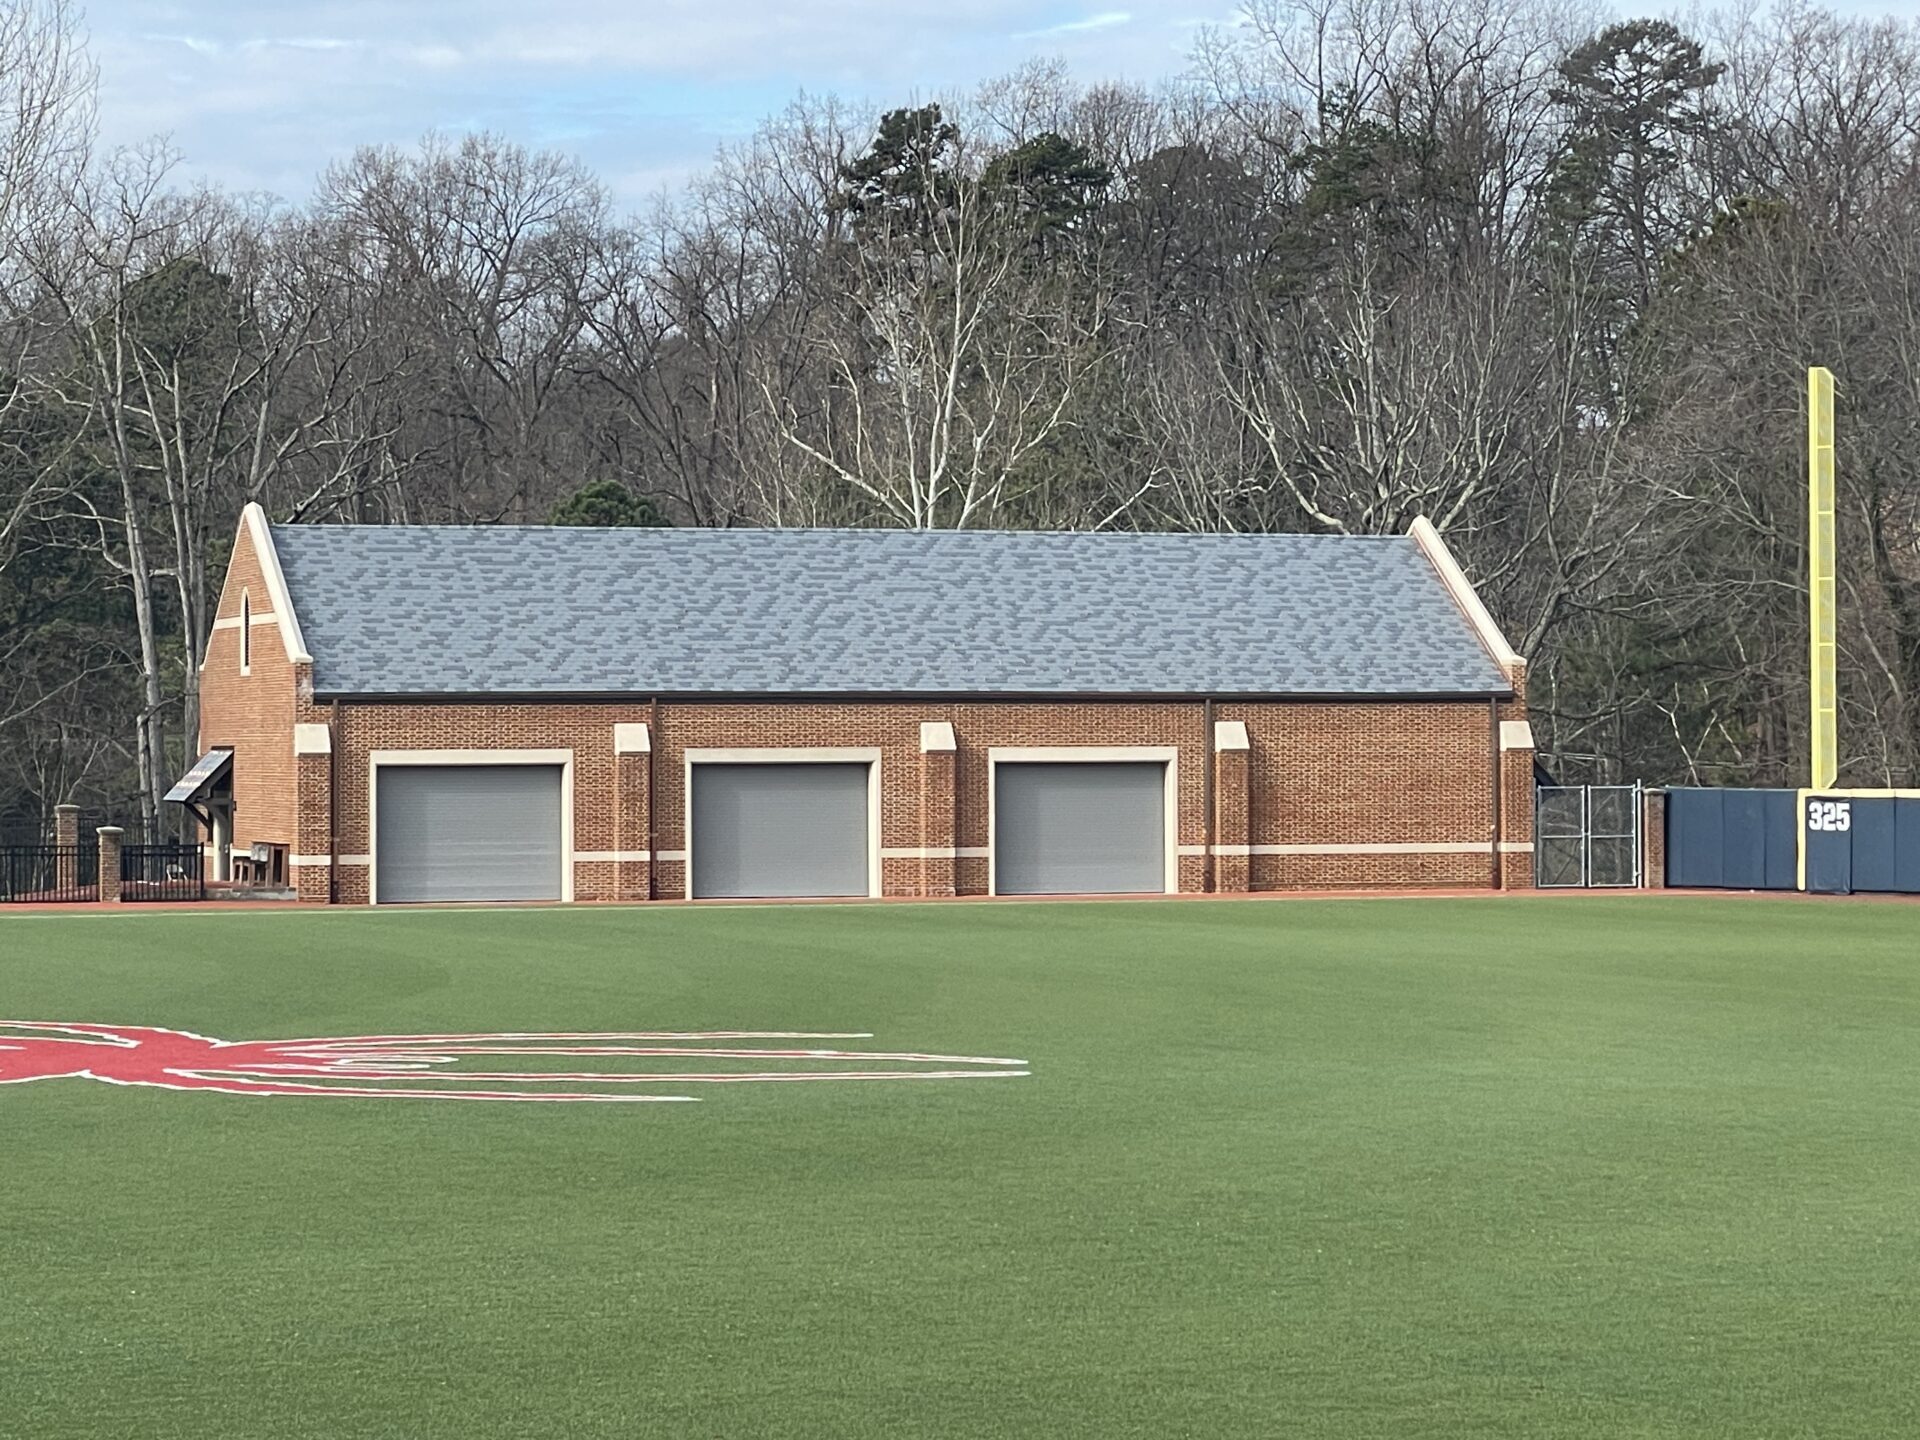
pixel 904 697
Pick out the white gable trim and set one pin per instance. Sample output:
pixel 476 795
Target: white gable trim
pixel 255 521
pixel 1464 595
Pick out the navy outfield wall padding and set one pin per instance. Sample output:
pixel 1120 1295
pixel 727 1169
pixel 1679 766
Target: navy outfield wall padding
pixel 1783 841
pixel 1829 848
pixel 1906 840
pixel 1723 839
pixel 1696 851
pixel 1744 834
pixel 1873 854
pixel 1861 842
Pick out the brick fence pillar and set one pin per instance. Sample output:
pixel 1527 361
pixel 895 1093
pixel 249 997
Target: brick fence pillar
pixel 939 756
pixel 633 760
pixel 1653 841
pixel 1232 806
pixel 110 837
pixel 66 835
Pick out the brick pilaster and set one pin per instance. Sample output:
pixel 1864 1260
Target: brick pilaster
pixel 939 784
pixel 1232 807
pixel 313 835
pixel 1516 800
pixel 631 824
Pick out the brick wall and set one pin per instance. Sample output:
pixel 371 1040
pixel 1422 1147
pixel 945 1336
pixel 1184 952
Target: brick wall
pixel 1327 795
pixel 252 713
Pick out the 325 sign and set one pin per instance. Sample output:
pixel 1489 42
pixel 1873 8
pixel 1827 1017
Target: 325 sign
pixel 1830 816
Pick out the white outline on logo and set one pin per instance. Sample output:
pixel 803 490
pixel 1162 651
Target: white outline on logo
pixel 165 1059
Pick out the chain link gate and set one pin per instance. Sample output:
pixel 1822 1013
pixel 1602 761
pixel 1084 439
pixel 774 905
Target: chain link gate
pixel 1587 836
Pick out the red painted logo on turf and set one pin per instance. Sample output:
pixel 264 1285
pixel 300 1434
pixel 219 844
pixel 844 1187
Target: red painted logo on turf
pixel 420 1067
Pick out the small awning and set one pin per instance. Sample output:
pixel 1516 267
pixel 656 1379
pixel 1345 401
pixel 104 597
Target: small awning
pixel 199 782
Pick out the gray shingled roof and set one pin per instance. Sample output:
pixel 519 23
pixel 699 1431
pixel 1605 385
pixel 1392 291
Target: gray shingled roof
pixel 415 610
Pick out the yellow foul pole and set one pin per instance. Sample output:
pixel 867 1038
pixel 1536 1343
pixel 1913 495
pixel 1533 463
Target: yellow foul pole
pixel 1820 591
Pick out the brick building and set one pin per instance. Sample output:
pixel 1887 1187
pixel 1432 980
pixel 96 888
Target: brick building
pixel 439 713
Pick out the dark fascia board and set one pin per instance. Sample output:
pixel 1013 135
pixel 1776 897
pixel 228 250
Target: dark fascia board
pixel 930 697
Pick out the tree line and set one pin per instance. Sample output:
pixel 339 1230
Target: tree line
pixel 1549 278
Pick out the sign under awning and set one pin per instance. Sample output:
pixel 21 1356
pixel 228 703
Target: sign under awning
pixel 207 772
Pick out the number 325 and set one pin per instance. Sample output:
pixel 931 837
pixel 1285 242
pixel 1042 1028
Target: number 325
pixel 1829 815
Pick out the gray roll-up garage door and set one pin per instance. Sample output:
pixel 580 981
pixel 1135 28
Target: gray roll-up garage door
pixel 773 830
pixel 467 832
pixel 1080 828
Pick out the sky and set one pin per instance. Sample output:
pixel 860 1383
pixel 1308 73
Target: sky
pixel 261 96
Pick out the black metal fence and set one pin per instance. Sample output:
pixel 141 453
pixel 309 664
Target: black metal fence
pixel 162 872
pixel 51 874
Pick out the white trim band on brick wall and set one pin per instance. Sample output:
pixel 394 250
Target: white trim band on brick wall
pixel 1409 847
pixel 312 739
pixel 1516 735
pixel 979 852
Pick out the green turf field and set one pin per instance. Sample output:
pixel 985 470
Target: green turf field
pixel 1609 1167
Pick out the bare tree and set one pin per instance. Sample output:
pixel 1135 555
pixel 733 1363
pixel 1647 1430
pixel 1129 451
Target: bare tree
pixel 490 250
pixel 46 130
pixel 954 354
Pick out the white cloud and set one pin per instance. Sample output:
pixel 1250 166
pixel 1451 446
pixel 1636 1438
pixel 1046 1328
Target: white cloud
pixel 195 43
pixel 1105 20
pixel 264 97
pixel 298 42
pixel 433 57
